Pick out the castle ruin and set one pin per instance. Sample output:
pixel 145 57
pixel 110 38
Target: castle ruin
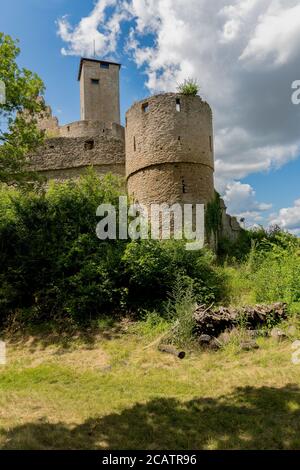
pixel 165 152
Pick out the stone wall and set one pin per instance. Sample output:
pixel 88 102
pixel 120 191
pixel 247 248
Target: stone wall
pixel 48 122
pixel 230 229
pixel 45 120
pixel 67 157
pixel 91 129
pixel 99 91
pixel 73 173
pixel 186 183
pixel 169 150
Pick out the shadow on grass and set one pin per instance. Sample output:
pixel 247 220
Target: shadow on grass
pixel 63 334
pixel 249 418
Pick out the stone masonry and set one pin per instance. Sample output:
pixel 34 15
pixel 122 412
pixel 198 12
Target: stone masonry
pixel 99 91
pixel 169 151
pixel 72 148
pixel 166 152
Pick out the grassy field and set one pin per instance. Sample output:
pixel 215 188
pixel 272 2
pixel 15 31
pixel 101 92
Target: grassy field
pixel 107 391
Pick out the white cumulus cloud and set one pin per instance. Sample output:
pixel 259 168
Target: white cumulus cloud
pixel 244 53
pixel 277 35
pixel 288 218
pixel 98 32
pixel 240 200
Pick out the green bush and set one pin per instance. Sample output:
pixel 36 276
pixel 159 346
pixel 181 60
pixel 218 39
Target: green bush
pixel 269 273
pixel 51 259
pixel 154 267
pixel 179 310
pixel 275 270
pixel 263 239
pixel 53 265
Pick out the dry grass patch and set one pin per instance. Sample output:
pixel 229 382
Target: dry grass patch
pixel 116 394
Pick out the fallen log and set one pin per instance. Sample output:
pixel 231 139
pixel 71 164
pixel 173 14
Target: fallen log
pixel 166 348
pixel 214 321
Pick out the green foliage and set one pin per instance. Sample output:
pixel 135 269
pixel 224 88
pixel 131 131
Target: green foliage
pixel 53 265
pixel 270 272
pixel 151 325
pixel 190 86
pixel 259 237
pixel 154 268
pixel 51 259
pixel 180 311
pixel 213 216
pixel 275 270
pixel 21 135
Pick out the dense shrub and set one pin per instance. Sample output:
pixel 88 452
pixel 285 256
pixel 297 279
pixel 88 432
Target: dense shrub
pixel 274 270
pixel 269 273
pixel 154 267
pixel 52 264
pixel 51 259
pixel 263 240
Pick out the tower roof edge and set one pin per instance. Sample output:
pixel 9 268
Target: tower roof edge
pixel 86 59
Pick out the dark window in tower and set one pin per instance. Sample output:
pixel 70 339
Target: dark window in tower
pixel 145 107
pixel 88 145
pixel 178 106
pixel 183 186
pixel 95 81
pixel 210 143
pixel 104 65
pixel 134 144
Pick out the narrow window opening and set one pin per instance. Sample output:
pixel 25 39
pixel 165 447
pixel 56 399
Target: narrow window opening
pixel 179 138
pixel 178 106
pixel 89 145
pixel 210 143
pixel 104 65
pixel 183 186
pixel 68 128
pixel 95 81
pixel 134 144
pixel 145 107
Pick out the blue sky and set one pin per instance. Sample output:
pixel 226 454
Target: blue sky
pixel 245 55
pixel 35 25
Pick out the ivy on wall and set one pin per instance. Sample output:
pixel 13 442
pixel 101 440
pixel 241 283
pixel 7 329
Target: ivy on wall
pixel 213 216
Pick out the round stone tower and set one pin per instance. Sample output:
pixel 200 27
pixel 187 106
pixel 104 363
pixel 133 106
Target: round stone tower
pixel 169 150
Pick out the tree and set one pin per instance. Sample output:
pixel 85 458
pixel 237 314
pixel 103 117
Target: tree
pixel 19 134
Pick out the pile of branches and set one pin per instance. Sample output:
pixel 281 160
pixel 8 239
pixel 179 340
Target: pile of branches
pixel 214 321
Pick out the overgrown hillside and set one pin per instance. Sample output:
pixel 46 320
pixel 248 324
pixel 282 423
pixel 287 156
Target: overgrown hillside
pixel 82 319
pixel 53 266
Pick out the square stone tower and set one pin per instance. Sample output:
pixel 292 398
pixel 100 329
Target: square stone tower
pixel 99 91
